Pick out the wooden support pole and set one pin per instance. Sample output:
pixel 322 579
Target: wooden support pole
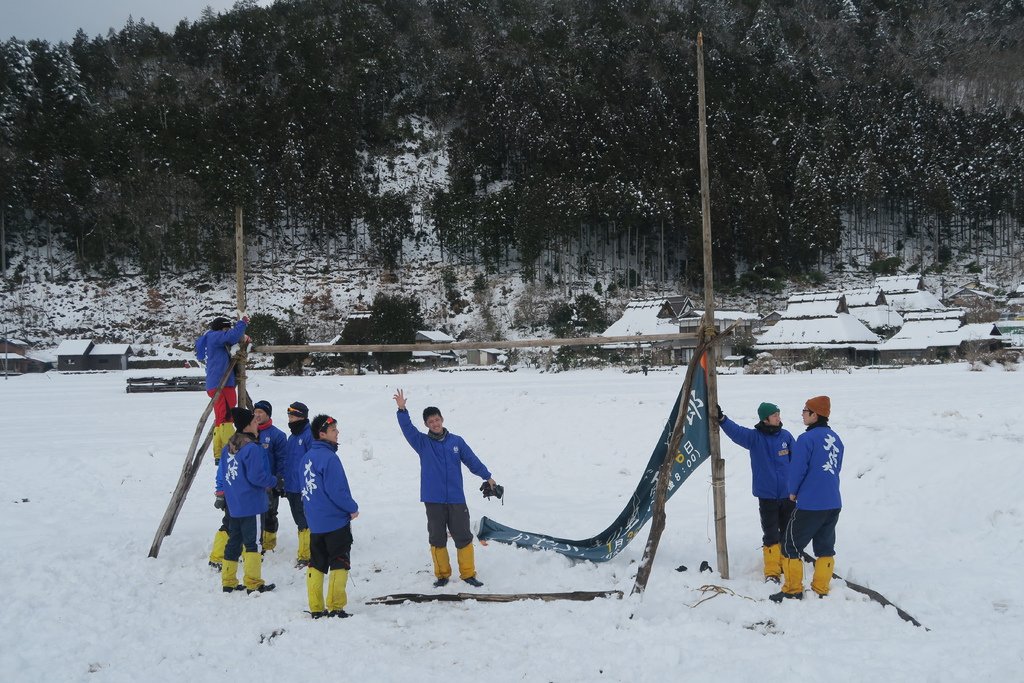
pixel 243 395
pixel 717 463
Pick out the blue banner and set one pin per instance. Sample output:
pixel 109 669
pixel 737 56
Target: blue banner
pixel 694 450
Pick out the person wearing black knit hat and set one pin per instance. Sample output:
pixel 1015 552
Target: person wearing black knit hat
pixel 274 443
pixel 814 487
pixel 300 440
pixel 330 509
pixel 242 482
pixel 442 455
pixel 769 446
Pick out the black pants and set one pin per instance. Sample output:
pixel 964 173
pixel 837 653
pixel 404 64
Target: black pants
pixel 775 514
pixel 298 512
pixel 805 526
pixel 331 550
pixel 241 534
pixel 268 520
pixel 443 518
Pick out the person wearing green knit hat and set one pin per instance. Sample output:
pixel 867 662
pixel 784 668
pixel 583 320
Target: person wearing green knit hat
pixel 769 447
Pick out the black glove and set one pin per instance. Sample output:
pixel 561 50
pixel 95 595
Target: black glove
pixel 497 490
pixel 220 503
pixel 280 488
pixel 719 415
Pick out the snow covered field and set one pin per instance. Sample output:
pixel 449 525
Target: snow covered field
pixel 933 518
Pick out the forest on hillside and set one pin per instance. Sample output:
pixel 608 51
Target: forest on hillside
pixel 568 128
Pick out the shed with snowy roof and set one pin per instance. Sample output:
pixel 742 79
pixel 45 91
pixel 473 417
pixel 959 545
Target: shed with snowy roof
pixel 82 354
pixel 940 335
pixel 819 322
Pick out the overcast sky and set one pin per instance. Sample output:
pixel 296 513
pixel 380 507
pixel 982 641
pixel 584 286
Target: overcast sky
pixel 56 20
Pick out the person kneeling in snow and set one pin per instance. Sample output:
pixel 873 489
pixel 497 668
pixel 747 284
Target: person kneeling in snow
pixel 330 510
pixel 814 486
pixel 769 446
pixel 442 455
pixel 243 482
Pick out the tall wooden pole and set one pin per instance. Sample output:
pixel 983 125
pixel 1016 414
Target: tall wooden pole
pixel 717 463
pixel 243 397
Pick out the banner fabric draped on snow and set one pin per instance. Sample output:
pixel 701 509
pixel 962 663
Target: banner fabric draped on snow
pixel 693 450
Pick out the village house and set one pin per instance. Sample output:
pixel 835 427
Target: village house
pixel 940 335
pixel 82 354
pixel 434 359
pixel 17 359
pixel 741 322
pixel 907 294
pixel 869 305
pixel 819 323
pixel 647 317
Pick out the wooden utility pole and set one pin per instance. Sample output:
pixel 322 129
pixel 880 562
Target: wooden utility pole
pixel 243 397
pixel 717 463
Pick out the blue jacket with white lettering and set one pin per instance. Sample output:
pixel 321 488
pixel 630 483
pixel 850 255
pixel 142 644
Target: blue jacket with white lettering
pixel 326 498
pixel 769 456
pixel 814 472
pixel 441 463
pixel 244 476
pixel 296 447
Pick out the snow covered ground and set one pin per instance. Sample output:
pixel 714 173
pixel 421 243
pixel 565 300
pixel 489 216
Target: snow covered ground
pixel 933 519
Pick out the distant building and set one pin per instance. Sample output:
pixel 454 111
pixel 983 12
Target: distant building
pixel 869 305
pixel 434 359
pixel 907 294
pixel 940 335
pixel 741 322
pixel 82 354
pixel 17 359
pixel 650 317
pixel 819 322
pixel 484 356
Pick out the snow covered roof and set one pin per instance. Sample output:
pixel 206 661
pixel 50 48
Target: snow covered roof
pixel 841 330
pixel 935 330
pixel 864 296
pixel 11 356
pixel 1019 292
pixel 980 293
pixel 868 305
pixel 110 350
pixel 641 317
pixel 433 354
pixel 434 337
pixel 918 300
pixel 804 305
pixel 74 347
pixel 16 342
pixel 899 284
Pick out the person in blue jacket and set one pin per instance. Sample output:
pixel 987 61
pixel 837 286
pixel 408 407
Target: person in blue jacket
pixel 442 455
pixel 769 446
pixel 274 443
pixel 299 442
pixel 243 481
pixel 330 510
pixel 214 348
pixel 814 486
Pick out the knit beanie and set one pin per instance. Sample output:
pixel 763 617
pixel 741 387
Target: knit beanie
pixel 298 409
pixel 242 418
pixel 821 405
pixel 264 406
pixel 766 409
pixel 219 323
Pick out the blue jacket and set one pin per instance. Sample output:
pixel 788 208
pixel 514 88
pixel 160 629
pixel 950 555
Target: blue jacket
pixel 441 463
pixel 296 447
pixel 275 447
pixel 213 347
pixel 244 477
pixel 326 498
pixel 769 457
pixel 814 473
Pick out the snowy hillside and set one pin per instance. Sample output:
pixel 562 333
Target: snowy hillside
pixel 932 519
